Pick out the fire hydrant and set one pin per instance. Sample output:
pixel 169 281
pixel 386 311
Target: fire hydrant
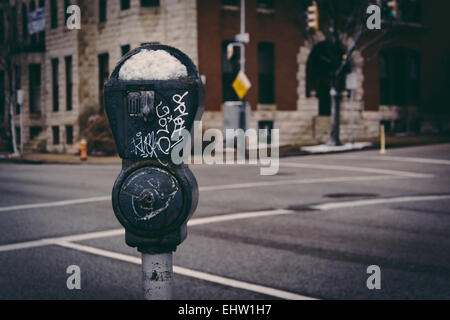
pixel 83 149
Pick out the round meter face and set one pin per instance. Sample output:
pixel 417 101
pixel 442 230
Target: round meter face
pixel 151 199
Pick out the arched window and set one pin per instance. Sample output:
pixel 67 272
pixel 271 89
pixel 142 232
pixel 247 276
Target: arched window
pixel 318 76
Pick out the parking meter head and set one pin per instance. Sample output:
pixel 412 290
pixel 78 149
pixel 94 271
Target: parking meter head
pixel 148 111
pixel 154 202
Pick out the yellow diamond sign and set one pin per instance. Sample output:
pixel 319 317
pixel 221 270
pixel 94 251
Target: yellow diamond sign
pixel 241 85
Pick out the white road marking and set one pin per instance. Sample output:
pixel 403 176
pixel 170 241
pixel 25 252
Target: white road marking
pixel 237 216
pixel 24 245
pixel 54 203
pixel 51 241
pixel 92 235
pixel 121 231
pixel 221 218
pixel 64 241
pixel 402 159
pixel 294 182
pixel 190 273
pixel 355 169
pixel 357 203
pixel 209 188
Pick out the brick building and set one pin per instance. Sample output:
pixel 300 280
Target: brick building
pixel 62 71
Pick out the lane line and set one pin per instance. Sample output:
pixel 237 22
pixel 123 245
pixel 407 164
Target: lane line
pixel 295 182
pixel 402 159
pixel 356 169
pixel 121 231
pixel 190 273
pixel 91 235
pixel 54 203
pixel 358 203
pixel 207 189
pixel 51 241
pixel 24 245
pixel 221 218
pixel 237 216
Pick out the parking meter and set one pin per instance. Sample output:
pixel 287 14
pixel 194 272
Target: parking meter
pixel 152 197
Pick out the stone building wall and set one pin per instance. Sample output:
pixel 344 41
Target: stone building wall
pixel 173 22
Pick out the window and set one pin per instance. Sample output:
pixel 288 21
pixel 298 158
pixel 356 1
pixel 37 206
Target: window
pixel 102 10
pixel 69 134
pixel 399 77
pixel 2 26
pixel 35 88
pixel 54 13
pixel 149 3
pixel 18 76
pixel 265 4
pixel 18 136
pixel 124 4
pixel 24 22
pixel 41 34
pixel 230 69
pixel 266 125
pixel 34 132
pixel 2 95
pixel 66 15
pixel 233 3
pixel 55 85
pixel 125 49
pixel 103 74
pixel 410 11
pixel 68 61
pixel 14 14
pixel 55 133
pixel 266 73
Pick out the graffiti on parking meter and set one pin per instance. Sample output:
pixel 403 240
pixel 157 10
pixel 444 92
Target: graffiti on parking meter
pixel 148 145
pixel 150 194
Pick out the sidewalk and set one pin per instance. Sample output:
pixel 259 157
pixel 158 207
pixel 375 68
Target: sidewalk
pixel 364 144
pixel 285 151
pixel 39 158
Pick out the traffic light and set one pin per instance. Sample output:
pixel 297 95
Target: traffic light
pixel 313 16
pixel 393 8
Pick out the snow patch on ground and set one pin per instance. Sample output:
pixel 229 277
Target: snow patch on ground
pixel 324 148
pixel 152 65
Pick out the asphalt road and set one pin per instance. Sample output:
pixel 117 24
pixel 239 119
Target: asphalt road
pixel 311 231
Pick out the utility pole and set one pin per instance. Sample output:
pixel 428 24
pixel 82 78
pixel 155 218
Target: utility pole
pixel 241 84
pixel 20 100
pixel 7 61
pixel 243 113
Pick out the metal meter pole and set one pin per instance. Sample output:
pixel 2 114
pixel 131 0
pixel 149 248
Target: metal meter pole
pixel 157 276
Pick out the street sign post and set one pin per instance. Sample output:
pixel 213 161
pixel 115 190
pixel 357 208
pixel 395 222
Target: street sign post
pixel 241 85
pixel 20 100
pixel 351 84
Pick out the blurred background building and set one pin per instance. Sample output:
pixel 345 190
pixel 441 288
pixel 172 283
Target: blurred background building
pixel 62 71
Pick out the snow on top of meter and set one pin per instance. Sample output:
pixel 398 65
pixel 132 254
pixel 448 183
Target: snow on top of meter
pixel 152 65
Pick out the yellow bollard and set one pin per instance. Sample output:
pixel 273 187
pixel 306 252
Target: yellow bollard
pixel 382 140
pixel 83 149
